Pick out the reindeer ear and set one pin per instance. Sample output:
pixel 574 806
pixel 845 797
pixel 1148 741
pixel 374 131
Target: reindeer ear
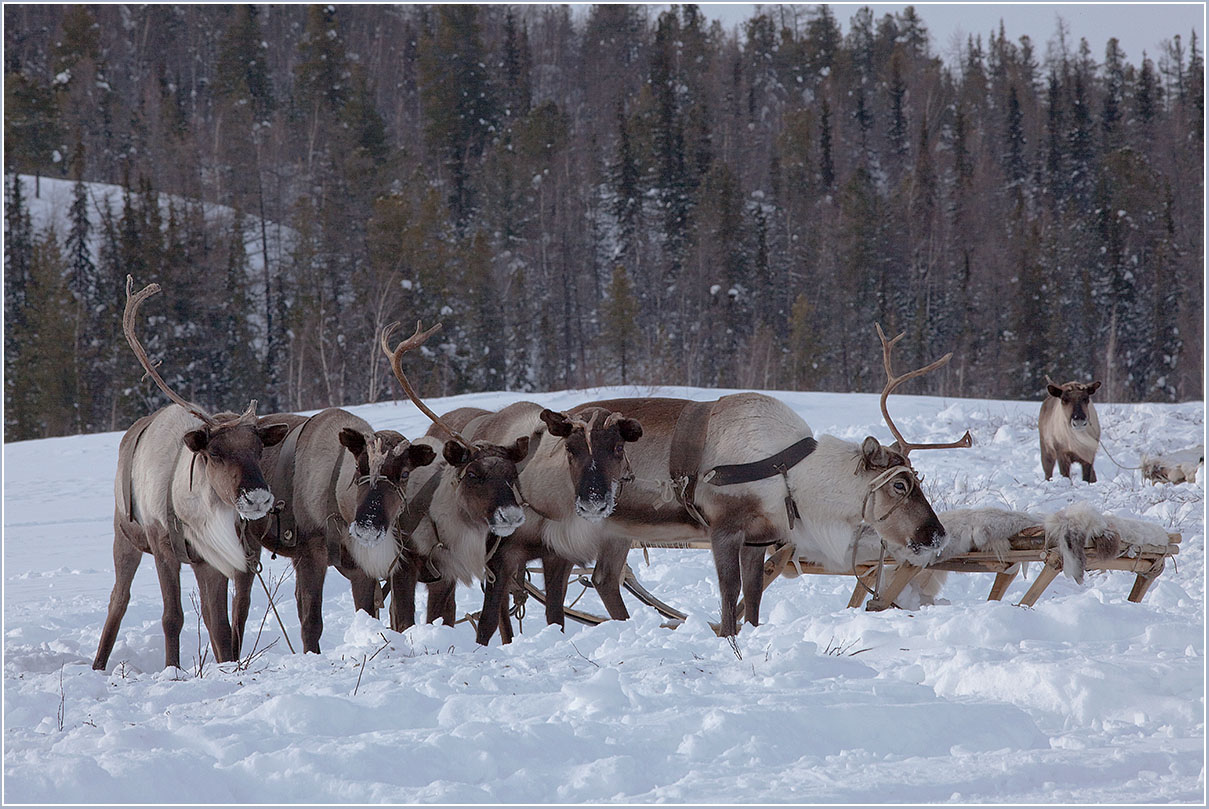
pixel 197 440
pixel 352 440
pixel 631 429
pixel 874 453
pixel 1054 390
pixel 456 454
pixel 273 435
pixel 518 451
pixel 1093 387
pixel 420 455
pixel 557 423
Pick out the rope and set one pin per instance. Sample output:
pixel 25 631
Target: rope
pixel 274 606
pixel 1114 460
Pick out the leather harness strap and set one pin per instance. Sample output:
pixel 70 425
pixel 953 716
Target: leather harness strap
pixel 176 529
pixel 688 445
pixel 415 511
pixel 126 464
pixel 787 458
pixel 684 462
pixel 287 532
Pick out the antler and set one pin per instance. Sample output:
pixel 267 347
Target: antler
pixel 893 382
pixel 133 302
pixel 396 364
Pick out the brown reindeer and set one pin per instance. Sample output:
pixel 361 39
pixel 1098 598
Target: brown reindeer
pixel 571 480
pixel 336 478
pixel 748 475
pixel 1069 428
pixel 185 479
pixel 457 511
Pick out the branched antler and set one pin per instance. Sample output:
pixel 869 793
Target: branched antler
pixel 893 382
pixel 133 302
pixel 396 364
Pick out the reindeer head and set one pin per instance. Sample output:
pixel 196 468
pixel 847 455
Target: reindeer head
pixel 1075 399
pixel 228 450
pixel 594 441
pixel 895 505
pixel 488 486
pixel 384 461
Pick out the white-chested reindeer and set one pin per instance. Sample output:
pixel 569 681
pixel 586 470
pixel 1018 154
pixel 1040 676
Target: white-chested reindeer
pixel 185 479
pixel 1069 428
pixel 454 512
pixel 750 475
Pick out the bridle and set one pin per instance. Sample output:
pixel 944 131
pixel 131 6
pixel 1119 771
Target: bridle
pixel 913 479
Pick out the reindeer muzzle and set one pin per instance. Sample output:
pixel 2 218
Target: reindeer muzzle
pixel 252 504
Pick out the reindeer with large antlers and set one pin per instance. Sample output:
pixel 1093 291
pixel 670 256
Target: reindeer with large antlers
pixel 748 474
pixel 185 479
pixel 454 512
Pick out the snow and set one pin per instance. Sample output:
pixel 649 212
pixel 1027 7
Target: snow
pixel 1083 698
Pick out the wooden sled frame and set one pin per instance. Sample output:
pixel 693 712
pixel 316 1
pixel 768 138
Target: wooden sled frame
pixel 1026 546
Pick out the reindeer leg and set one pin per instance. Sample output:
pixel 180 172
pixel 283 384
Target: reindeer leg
pixel 365 590
pixel 168 569
pixel 241 603
pixel 751 569
pixel 494 590
pixel 555 571
pixel 310 569
pixel 607 575
pixel 213 587
pixel 442 605
pixel 1089 472
pixel 403 596
pixel 1064 466
pixel 1047 463
pixel 126 559
pixel 726 548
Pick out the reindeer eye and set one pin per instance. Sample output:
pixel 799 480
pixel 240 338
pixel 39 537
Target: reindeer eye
pixel 900 487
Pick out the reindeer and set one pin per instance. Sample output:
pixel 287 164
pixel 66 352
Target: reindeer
pixel 571 479
pixel 335 477
pixel 1069 428
pixel 185 479
pixel 767 482
pixel 456 511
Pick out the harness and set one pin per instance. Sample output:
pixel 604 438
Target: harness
pixel 688 445
pixel 286 535
pixel 181 547
pixel 409 519
pixel 912 477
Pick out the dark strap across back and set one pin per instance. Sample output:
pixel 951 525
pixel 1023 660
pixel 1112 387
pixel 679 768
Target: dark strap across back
pixel 688 446
pixel 787 458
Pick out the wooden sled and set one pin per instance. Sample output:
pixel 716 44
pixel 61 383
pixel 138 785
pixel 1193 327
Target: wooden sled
pixel 1026 546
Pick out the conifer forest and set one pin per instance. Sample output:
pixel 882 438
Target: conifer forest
pixel 586 196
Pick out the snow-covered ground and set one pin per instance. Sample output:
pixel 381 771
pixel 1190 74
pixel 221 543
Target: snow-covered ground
pixel 1085 698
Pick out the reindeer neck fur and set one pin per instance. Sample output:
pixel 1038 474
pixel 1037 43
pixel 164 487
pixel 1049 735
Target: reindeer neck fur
pixel 457 545
pixel 830 492
pixel 160 461
pixel 1060 435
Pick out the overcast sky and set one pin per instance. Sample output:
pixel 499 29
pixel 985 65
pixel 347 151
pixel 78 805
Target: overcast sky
pixel 1137 26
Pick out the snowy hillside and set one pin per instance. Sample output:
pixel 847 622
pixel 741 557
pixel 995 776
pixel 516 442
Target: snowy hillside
pixel 1084 698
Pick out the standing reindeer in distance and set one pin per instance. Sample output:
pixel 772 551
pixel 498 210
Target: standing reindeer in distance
pixel 185 478
pixel 1069 428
